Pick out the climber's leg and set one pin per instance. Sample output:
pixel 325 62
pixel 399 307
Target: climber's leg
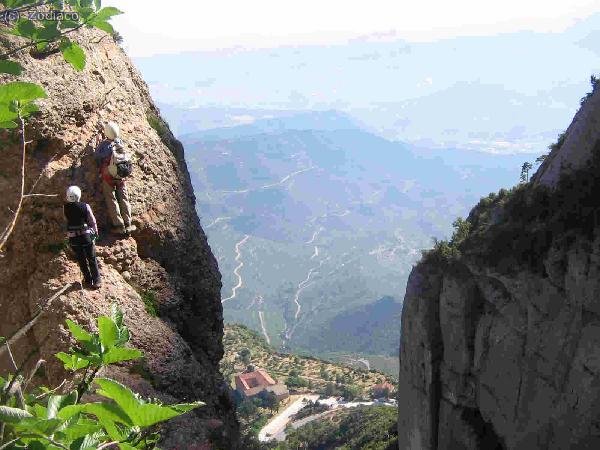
pixel 125 205
pixel 80 255
pixel 90 255
pixel 112 205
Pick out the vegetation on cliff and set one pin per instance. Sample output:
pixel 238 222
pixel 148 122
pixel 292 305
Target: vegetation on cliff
pixel 516 228
pixel 57 418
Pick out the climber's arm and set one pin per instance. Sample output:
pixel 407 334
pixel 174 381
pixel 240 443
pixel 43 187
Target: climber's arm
pixel 92 220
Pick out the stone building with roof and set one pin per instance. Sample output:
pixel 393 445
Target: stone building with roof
pixel 253 383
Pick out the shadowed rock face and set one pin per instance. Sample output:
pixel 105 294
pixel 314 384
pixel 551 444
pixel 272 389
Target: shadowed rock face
pixel 169 253
pixel 508 359
pixel 512 362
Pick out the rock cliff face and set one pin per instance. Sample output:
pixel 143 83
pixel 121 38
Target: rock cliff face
pixel 168 255
pixel 503 352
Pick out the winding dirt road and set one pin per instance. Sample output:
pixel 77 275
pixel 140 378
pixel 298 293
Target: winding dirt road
pixel 236 271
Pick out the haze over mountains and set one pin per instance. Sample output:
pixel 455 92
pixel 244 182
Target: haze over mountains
pixel 316 223
pixel 504 93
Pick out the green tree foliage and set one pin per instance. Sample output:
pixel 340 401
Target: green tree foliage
pixel 594 81
pixel 350 392
pixel 247 408
pixel 525 168
pixel 295 380
pixel 51 29
pixel 365 428
pixel 514 230
pixel 559 142
pixel 150 302
pixel 119 418
pixel 311 408
pixel 445 251
pixel 270 401
pixel 245 355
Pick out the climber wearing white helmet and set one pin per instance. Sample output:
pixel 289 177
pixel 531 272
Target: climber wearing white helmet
pixel 81 230
pixel 115 165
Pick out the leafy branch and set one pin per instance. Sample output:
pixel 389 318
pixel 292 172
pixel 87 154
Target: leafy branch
pixel 85 13
pixel 122 419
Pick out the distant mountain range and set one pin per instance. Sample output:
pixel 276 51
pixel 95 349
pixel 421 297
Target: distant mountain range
pixel 512 92
pixel 316 223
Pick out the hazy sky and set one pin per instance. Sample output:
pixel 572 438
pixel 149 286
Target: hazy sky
pixel 152 27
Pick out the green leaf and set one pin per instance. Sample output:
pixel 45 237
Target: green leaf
pixel 106 13
pixel 87 442
pixel 39 445
pixel 71 410
pixel 103 25
pixel 25 28
pixel 111 429
pixel 64 24
pixel 119 354
pixel 125 446
pixel 9 124
pixel 6 113
pixel 85 12
pixel 123 336
pixel 76 428
pixel 98 4
pixel 39 411
pixel 72 362
pixel 49 32
pixel 109 333
pixel 12 415
pixel 73 54
pixel 78 333
pixel 142 414
pixel 121 394
pixel 11 67
pixel 41 46
pixel 20 90
pixel 103 411
pixel 28 109
pixel 116 315
pixel 186 407
pixel 57 402
pixel 37 425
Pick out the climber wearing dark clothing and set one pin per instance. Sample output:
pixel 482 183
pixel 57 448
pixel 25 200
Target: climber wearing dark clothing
pixel 81 227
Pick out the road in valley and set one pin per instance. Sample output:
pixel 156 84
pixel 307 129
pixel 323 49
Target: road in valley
pixel 262 325
pixel 334 405
pixel 279 422
pixel 236 271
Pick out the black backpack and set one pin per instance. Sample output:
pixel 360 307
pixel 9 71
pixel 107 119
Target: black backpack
pixel 120 165
pixel 124 169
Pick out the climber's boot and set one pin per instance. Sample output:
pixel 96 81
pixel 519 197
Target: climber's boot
pixel 118 230
pixel 97 284
pixel 130 228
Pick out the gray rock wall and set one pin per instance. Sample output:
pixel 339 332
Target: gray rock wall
pixel 489 361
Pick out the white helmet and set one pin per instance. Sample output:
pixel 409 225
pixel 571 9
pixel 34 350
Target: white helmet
pixel 111 130
pixel 73 194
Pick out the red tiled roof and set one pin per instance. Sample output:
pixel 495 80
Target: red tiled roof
pixel 254 379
